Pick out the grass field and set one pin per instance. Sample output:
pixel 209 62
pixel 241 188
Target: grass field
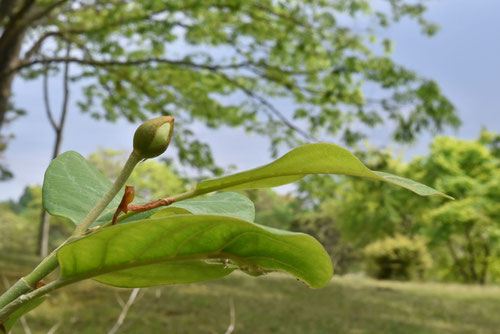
pixel 271 304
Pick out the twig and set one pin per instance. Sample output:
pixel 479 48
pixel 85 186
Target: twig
pixel 125 309
pixel 152 205
pixel 232 316
pixel 54 328
pixel 46 101
pixel 270 107
pixel 24 323
pixel 119 299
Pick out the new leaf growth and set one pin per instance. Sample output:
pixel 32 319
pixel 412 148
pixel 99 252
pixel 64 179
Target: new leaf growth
pixel 152 137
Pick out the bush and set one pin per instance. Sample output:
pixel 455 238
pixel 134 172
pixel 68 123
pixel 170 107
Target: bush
pixel 397 257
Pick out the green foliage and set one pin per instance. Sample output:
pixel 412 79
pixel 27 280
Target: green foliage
pixel 18 232
pixel 322 224
pixel 224 204
pixel 308 159
pixel 272 209
pixel 174 250
pixel 462 235
pixel 397 257
pixel 469 229
pixel 83 182
pixel 72 186
pixel 229 64
pixel 19 223
pixel 191 241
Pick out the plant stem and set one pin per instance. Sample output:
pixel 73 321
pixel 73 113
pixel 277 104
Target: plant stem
pixel 132 161
pixel 167 201
pixel 28 283
pixel 25 298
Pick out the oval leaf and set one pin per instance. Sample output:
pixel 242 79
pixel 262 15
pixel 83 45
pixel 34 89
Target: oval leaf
pixel 72 186
pixel 229 204
pixel 309 159
pixel 117 255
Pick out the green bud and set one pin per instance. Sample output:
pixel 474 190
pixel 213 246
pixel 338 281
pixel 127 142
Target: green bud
pixel 152 137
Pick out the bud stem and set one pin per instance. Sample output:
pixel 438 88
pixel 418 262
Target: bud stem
pixel 132 161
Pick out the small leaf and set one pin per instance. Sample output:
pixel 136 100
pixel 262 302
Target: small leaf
pixel 229 204
pixel 309 159
pixel 191 248
pixel 32 304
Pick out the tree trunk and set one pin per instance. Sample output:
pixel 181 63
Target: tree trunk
pixel 9 57
pixel 11 42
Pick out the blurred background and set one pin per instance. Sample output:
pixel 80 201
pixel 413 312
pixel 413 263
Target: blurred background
pixel 411 87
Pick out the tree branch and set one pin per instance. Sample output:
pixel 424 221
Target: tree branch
pixel 124 312
pixel 107 63
pixel 46 101
pixel 64 109
pixel 38 44
pixel 232 317
pixel 270 107
pixel 45 11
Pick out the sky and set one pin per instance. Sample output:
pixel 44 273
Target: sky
pixel 463 58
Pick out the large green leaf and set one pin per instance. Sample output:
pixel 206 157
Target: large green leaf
pixel 309 159
pixel 191 248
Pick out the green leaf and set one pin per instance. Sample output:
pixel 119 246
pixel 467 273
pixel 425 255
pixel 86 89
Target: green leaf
pixel 229 204
pixel 72 186
pixel 21 311
pixel 309 159
pixel 191 248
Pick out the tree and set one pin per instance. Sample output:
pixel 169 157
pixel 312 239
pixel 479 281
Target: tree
pixel 271 208
pixel 365 212
pixel 468 228
pixel 463 235
pixel 227 63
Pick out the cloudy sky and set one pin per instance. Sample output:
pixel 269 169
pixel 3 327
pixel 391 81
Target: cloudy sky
pixel 463 58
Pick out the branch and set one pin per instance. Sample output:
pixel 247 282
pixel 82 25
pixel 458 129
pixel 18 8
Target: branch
pixel 54 328
pixel 46 101
pixel 38 44
pixel 107 63
pixel 232 316
pixel 24 9
pixel 270 107
pixel 45 11
pixel 124 312
pixel 64 109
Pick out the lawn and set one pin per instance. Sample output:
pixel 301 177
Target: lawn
pixel 274 303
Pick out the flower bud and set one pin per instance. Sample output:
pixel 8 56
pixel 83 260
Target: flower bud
pixel 152 137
